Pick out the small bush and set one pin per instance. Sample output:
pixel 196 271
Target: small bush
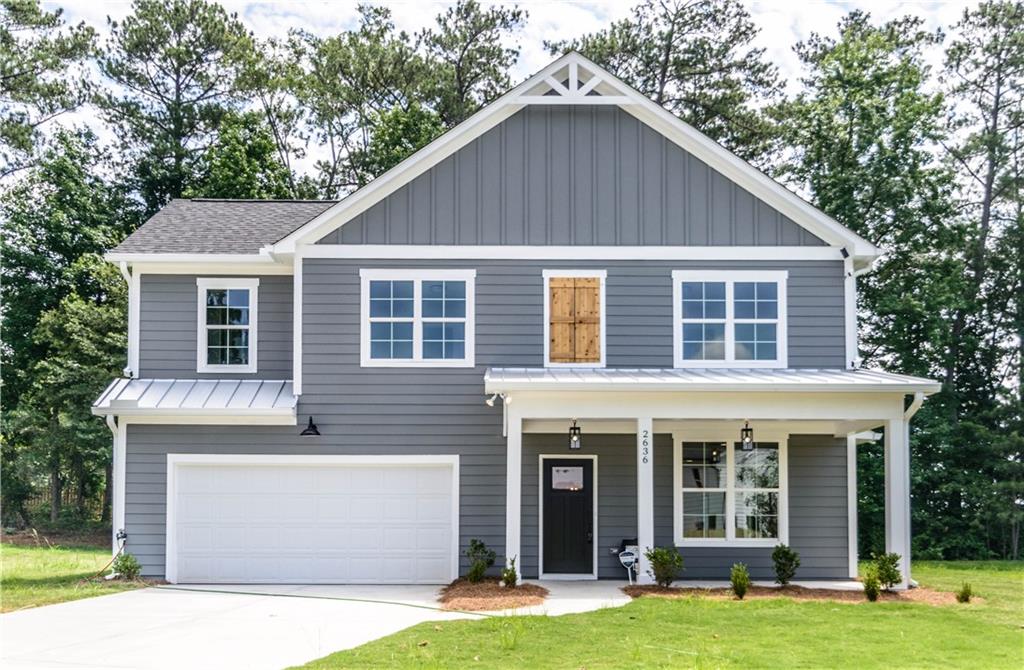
pixel 480 558
pixel 740 578
pixel 963 595
pixel 508 574
pixel 666 564
pixel 127 567
pixel 871 585
pixel 887 570
pixel 786 562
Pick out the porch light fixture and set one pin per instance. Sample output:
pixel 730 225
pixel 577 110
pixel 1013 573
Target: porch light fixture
pixel 575 436
pixel 747 436
pixel 310 429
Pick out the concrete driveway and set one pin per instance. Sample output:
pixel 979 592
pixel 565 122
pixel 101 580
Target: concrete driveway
pixel 217 627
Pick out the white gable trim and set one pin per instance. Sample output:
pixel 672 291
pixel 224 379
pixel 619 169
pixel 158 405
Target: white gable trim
pixel 594 86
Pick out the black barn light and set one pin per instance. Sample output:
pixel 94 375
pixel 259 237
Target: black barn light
pixel 575 436
pixel 310 429
pixel 747 436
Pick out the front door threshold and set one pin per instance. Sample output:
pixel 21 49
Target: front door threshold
pixel 567 577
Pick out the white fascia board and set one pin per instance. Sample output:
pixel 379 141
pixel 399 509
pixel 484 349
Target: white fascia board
pixel 188 258
pixel 567 253
pixel 261 263
pixel 262 417
pixel 492 386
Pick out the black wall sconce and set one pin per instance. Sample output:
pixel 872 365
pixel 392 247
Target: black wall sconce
pixel 747 437
pixel 575 436
pixel 310 429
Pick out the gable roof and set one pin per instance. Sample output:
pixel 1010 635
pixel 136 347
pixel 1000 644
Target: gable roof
pixel 213 226
pixel 574 80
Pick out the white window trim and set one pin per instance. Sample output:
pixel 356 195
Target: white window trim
pixel 417 277
pixel 729 437
pixel 730 277
pixel 203 284
pixel 601 275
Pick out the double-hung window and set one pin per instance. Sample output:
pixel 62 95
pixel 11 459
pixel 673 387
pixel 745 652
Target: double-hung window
pixel 727 494
pixel 416 318
pixel 226 317
pixel 729 318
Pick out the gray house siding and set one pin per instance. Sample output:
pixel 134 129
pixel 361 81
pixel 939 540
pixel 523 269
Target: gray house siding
pixel 168 326
pixel 572 175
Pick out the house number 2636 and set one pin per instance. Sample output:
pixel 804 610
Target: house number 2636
pixel 645 447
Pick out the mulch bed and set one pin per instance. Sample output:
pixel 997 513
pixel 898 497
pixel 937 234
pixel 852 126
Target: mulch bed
pixel 489 595
pixel 918 595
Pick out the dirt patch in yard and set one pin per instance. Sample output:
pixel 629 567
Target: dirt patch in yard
pixel 918 595
pixel 57 538
pixel 489 595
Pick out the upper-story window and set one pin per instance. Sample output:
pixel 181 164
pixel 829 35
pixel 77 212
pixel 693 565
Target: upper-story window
pixel 574 318
pixel 227 325
pixel 729 318
pixel 417 318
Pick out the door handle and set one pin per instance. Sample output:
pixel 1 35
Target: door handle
pixel 590 533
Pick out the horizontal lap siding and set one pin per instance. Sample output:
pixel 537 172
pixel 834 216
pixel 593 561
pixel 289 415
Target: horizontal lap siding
pixel 168 328
pixel 817 515
pixel 572 175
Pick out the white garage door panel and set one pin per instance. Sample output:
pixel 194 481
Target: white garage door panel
pixel 312 523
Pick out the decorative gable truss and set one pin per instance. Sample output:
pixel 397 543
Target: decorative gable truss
pixel 574 84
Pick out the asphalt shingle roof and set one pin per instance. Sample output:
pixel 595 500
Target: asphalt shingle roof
pixel 208 226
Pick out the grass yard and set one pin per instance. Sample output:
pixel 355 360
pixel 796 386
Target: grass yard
pixel 33 576
pixel 703 633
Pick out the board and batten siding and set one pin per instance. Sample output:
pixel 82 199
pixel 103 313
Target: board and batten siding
pixel 572 175
pixel 168 313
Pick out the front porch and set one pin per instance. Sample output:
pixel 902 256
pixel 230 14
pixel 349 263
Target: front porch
pixel 639 427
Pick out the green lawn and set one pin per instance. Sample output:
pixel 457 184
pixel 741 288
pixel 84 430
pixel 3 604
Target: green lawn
pixel 34 576
pixel 696 633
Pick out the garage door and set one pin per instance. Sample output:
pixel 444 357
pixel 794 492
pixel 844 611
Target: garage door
pixel 339 520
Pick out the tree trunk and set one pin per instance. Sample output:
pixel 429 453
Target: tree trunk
pixel 108 494
pixel 56 493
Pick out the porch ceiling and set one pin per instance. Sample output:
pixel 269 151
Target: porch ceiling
pixel 799 380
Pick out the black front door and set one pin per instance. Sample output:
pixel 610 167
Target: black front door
pixel 568 516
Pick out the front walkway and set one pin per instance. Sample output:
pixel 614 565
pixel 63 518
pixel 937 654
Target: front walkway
pixel 231 626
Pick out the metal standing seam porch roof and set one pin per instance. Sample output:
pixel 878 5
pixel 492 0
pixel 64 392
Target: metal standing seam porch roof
pixel 197 397
pixel 500 380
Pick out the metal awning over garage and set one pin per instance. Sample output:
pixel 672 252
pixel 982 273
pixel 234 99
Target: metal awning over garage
pixel 261 401
pixel 802 380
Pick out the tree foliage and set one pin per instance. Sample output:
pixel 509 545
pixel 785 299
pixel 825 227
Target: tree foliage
pixel 39 79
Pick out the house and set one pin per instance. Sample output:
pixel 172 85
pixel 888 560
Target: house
pixel 570 322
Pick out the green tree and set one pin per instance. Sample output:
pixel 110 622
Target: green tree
pixel 693 57
pixel 397 133
pixel 175 67
pixel 242 162
pixel 84 339
pixel 40 76
pixel 469 59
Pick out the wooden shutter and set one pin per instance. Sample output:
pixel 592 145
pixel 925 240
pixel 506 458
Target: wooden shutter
pixel 575 320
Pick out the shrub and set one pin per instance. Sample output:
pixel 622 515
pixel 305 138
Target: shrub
pixel 786 562
pixel 963 595
pixel 127 567
pixel 887 570
pixel 480 558
pixel 871 585
pixel 508 574
pixel 666 564
pixel 740 578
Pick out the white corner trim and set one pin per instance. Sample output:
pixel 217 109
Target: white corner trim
pixel 203 284
pixel 569 253
pixel 729 437
pixel 417 276
pixel 133 277
pixel 119 431
pixel 851 502
pixel 602 275
pixel 297 325
pixel 730 277
pixel 850 314
pixel 540 520
pixel 175 461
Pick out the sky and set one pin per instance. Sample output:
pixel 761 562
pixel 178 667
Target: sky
pixel 783 23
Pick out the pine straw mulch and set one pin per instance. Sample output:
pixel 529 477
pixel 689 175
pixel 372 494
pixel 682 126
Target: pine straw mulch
pixel 918 595
pixel 489 595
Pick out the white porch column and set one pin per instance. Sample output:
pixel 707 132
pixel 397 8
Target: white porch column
pixel 897 494
pixel 513 488
pixel 644 493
